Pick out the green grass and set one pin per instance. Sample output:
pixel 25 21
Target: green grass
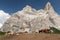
pixel 2 34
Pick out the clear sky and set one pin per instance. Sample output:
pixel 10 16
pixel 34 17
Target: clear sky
pixel 12 6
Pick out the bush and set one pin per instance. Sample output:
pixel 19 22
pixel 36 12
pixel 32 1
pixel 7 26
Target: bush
pixel 55 31
pixel 2 33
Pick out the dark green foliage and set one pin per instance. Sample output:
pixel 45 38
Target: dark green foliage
pixel 55 31
pixel 2 33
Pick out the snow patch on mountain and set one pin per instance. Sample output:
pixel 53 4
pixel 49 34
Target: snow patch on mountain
pixel 3 17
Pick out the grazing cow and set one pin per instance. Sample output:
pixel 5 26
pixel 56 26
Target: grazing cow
pixel 44 30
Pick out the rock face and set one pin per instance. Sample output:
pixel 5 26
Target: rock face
pixel 29 19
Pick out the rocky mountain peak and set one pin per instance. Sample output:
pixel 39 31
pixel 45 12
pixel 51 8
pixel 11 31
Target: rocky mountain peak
pixel 27 8
pixel 49 7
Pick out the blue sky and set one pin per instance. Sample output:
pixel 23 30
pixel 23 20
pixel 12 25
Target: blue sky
pixel 12 6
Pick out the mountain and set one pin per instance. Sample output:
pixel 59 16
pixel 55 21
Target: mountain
pixel 30 19
pixel 54 17
pixel 3 17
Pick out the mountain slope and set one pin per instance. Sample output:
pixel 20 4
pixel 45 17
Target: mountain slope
pixel 30 19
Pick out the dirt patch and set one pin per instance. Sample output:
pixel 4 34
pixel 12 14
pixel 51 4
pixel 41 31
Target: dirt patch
pixel 35 36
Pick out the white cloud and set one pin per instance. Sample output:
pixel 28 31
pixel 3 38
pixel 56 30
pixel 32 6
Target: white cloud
pixel 1 25
pixel 3 17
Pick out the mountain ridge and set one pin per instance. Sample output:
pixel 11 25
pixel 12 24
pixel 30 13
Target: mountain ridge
pixel 30 19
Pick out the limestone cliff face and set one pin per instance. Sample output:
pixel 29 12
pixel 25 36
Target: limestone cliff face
pixel 30 19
